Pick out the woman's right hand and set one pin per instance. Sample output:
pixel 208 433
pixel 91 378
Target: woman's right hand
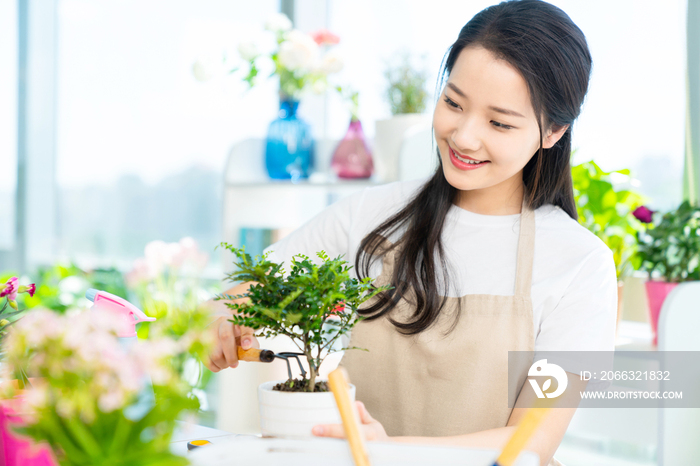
pixel 227 338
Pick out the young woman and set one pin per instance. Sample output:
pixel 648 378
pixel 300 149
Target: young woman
pixel 485 256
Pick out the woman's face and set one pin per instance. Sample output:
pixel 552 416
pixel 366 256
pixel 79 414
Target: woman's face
pixel 485 114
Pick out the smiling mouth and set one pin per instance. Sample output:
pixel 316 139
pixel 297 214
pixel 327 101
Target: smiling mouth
pixel 466 159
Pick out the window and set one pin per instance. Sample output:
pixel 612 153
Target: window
pixel 8 122
pixel 141 144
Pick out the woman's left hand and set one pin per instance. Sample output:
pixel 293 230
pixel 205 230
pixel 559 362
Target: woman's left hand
pixel 373 430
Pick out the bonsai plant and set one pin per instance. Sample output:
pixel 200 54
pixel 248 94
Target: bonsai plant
pixel 669 250
pixel 313 305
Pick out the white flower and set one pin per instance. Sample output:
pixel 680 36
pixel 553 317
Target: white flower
pixel 298 51
pixel 203 69
pixel 186 253
pixel 248 50
pixel 140 273
pixel 278 23
pixel 319 87
pixel 158 256
pixel 73 284
pixel 332 62
pixel 111 400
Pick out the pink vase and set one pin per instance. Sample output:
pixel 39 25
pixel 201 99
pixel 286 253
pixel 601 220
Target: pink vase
pixel 656 294
pixel 352 158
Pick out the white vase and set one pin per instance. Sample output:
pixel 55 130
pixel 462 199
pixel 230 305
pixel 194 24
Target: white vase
pixel 294 414
pixel 388 137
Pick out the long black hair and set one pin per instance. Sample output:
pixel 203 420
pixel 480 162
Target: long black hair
pixel 552 55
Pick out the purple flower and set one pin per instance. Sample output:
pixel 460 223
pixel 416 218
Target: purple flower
pixel 643 214
pixel 31 289
pixel 9 289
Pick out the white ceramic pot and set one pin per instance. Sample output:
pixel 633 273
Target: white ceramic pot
pixel 388 138
pixel 294 414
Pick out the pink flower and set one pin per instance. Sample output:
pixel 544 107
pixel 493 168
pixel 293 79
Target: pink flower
pixel 31 289
pixel 324 36
pixel 9 289
pixel 643 214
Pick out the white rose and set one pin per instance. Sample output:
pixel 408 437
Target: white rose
pixel 278 23
pixel 248 50
pixel 332 62
pixel 298 51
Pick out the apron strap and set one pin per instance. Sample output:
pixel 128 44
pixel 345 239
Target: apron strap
pixel 526 251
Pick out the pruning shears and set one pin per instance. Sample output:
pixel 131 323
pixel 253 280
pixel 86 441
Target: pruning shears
pixel 265 355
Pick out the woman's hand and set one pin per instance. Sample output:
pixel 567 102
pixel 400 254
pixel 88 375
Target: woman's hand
pixel 372 429
pixel 227 338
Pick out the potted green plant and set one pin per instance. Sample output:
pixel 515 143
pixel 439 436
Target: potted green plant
pixel 313 304
pixel 669 251
pixel 606 211
pixel 406 95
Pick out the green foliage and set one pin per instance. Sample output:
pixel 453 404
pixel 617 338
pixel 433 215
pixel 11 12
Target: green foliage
pixel 406 91
pixel 671 247
pixel 176 303
pixel 352 97
pixel 607 213
pixel 60 287
pixel 112 439
pixel 302 305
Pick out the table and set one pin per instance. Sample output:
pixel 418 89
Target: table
pixel 186 432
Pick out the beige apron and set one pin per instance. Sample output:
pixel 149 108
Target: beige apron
pixel 435 385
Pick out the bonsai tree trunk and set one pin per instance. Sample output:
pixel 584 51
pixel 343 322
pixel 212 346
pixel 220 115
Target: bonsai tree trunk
pixel 312 377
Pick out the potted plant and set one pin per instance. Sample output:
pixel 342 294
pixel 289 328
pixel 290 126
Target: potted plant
pixel 606 211
pixel 313 304
pixel 407 97
pixel 669 251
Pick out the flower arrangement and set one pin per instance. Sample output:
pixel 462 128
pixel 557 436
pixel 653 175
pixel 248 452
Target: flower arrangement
pixel 406 91
pixel 670 246
pixel 83 384
pixel 313 305
pixel 296 58
pixel 606 212
pixel 167 285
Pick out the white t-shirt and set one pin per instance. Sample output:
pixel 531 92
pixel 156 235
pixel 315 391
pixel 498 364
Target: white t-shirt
pixel 574 285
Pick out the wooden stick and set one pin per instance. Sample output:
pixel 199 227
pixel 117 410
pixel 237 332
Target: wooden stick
pixel 339 386
pixel 528 425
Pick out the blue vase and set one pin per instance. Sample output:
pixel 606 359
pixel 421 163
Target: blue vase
pixel 289 147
